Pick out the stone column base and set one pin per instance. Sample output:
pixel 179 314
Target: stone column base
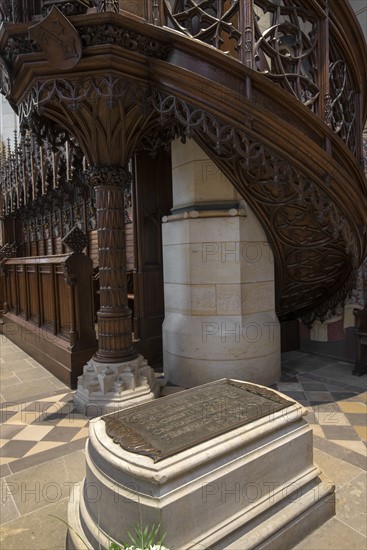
pixel 105 388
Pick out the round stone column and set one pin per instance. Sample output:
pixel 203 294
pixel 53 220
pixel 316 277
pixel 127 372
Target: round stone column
pixel 219 287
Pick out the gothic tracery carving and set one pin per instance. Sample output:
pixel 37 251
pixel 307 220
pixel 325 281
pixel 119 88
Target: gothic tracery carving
pixel 308 227
pixel 286 42
pixel 213 22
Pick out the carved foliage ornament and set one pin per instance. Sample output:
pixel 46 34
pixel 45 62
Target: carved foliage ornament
pixel 125 38
pixel 109 176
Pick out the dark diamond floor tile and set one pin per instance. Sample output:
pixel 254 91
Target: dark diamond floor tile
pixel 8 431
pixel 289 379
pixel 313 386
pixel 336 386
pixel 17 448
pixel 50 418
pixel 310 377
pixel 342 396
pixel 46 456
pixel 338 451
pixel 39 406
pixel 356 419
pixel 319 396
pixel 297 395
pixel 317 403
pixel 340 432
pixel 9 412
pixel 354 389
pixel 60 433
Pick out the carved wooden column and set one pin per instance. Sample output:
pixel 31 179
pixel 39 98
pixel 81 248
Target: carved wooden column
pixel 114 316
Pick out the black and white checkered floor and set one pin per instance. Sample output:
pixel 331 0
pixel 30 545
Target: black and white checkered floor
pixel 43 437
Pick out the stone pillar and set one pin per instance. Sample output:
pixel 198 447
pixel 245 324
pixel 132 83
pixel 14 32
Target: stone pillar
pixel 220 320
pixel 117 376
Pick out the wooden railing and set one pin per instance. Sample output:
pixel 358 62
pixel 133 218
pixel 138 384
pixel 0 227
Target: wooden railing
pixel 52 292
pixel 310 49
pixel 48 310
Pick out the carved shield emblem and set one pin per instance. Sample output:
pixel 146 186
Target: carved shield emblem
pixel 58 39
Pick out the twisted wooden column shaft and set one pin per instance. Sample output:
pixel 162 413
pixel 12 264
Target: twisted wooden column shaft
pixel 114 316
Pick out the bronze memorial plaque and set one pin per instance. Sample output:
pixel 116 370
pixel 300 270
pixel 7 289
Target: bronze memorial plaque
pixel 171 424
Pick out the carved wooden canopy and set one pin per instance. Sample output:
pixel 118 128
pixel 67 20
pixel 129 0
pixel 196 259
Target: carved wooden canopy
pixel 293 150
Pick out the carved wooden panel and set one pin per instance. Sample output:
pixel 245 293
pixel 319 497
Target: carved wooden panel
pixel 342 108
pixel 21 291
pixel 47 297
pixel 33 293
pixel 215 22
pixel 12 289
pixel 62 303
pixel 286 46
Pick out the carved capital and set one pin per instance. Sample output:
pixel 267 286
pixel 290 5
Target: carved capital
pixel 109 176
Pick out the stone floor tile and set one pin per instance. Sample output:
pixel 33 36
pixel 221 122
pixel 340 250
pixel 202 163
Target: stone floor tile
pixel 29 390
pixel 351 504
pixel 331 418
pixel 356 419
pixel 4 470
pixel 60 434
pixel 317 430
pixel 361 431
pixel 341 452
pixel 336 470
pixel 353 407
pixel 319 396
pixel 16 449
pixel 32 433
pixel 355 446
pixel 39 530
pixel 313 386
pixel 46 483
pixel 345 377
pixel 343 396
pixel 8 431
pixel 8 509
pixel 289 355
pixel 47 456
pixel 296 395
pixel 289 386
pixel 43 446
pixel 12 380
pixel 363 396
pixel 35 373
pixel 340 433
pixel 333 535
